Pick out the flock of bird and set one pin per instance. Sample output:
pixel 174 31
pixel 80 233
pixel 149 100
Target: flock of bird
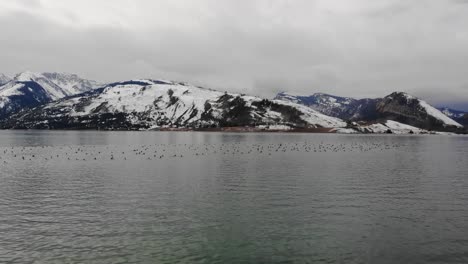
pixel 172 151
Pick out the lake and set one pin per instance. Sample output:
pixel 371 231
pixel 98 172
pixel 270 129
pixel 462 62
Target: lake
pixel 194 197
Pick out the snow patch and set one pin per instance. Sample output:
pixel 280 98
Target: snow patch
pixel 438 114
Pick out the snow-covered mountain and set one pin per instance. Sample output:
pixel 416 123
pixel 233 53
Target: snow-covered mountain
pixel 4 79
pixel 17 96
pixel 66 101
pixel 346 108
pixel 28 89
pixel 58 85
pixel 397 106
pixel 452 113
pixel 146 104
pixel 410 110
pixel 71 84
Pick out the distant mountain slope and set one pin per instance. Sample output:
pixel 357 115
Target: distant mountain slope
pixel 342 107
pixel 451 112
pixel 397 106
pixel 71 84
pixel 16 96
pixel 4 79
pixel 145 104
pixel 58 85
pixel 464 120
pixel 27 90
pixel 457 115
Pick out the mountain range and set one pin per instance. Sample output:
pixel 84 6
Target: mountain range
pixel 66 101
pixel 397 106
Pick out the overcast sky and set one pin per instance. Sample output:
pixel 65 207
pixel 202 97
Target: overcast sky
pixel 360 48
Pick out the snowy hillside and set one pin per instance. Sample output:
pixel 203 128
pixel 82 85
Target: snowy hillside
pixel 410 110
pixel 58 85
pixel 145 104
pixel 28 89
pixel 17 96
pixel 391 127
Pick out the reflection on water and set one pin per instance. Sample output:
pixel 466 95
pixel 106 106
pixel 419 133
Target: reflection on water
pixel 139 197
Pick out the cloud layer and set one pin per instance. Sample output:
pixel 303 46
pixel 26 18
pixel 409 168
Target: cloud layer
pixel 360 48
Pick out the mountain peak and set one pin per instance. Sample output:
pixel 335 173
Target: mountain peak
pixel 58 84
pixel 402 94
pixel 27 76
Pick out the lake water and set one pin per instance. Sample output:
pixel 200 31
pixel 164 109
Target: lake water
pixel 189 197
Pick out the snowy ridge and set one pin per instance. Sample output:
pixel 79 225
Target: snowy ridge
pixel 288 97
pixel 168 100
pixel 71 83
pixel 316 100
pixel 4 79
pixel 58 85
pixel 149 104
pixel 315 117
pixel 55 91
pixel 183 104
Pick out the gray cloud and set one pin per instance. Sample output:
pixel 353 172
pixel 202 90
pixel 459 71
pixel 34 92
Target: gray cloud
pixel 358 48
